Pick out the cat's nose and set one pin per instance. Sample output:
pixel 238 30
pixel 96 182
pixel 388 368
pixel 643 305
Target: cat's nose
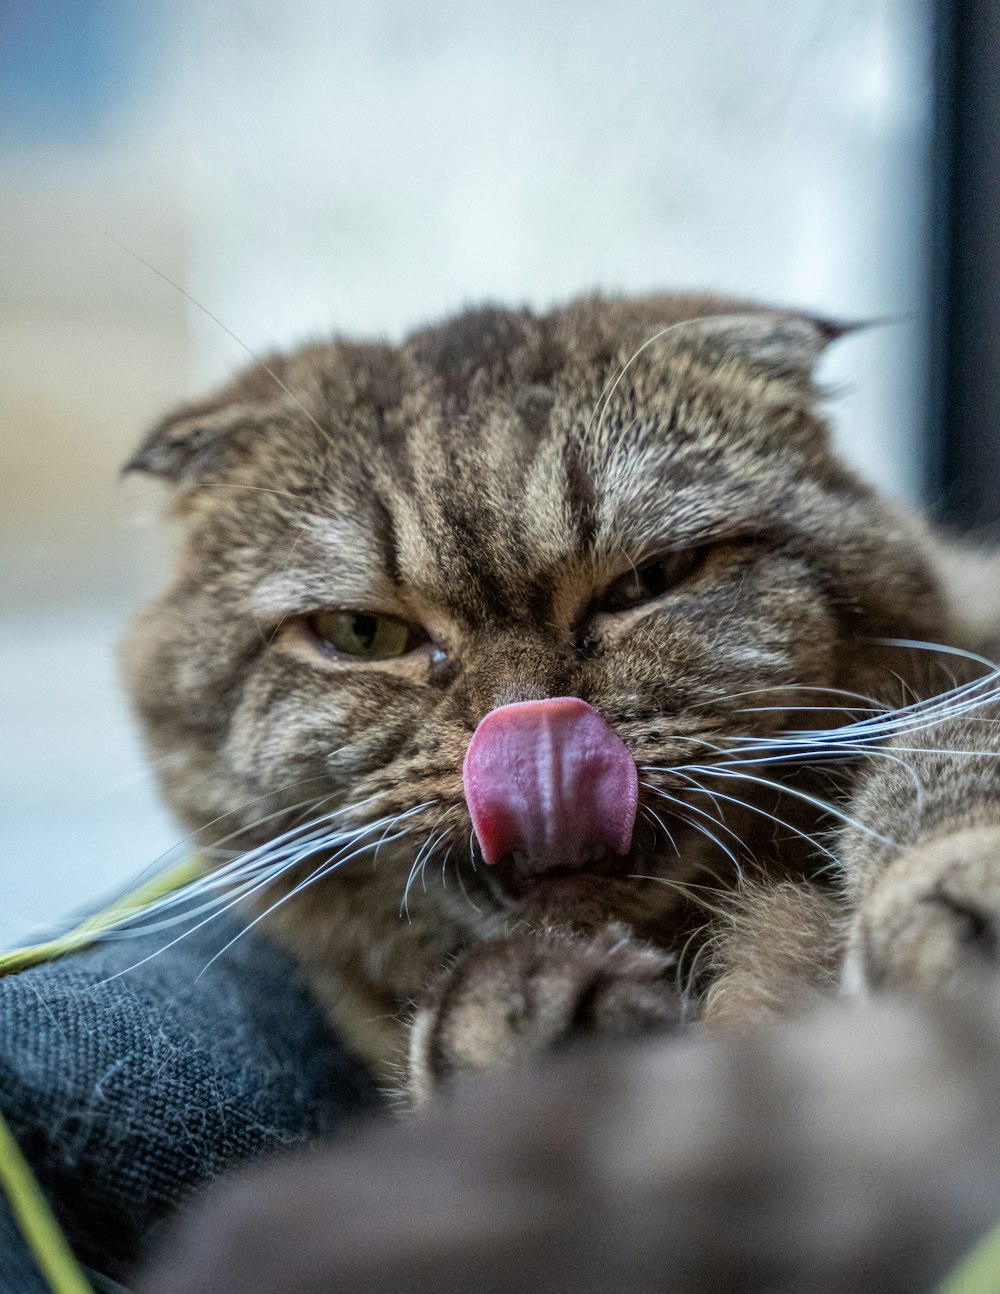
pixel 550 783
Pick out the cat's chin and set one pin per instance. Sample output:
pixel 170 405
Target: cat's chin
pixel 520 879
pixel 582 898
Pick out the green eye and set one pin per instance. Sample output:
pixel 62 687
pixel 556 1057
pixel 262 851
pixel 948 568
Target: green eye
pixel 358 633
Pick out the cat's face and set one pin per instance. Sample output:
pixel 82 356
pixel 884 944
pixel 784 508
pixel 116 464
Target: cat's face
pixel 383 545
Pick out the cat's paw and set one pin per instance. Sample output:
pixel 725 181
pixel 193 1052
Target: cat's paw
pixel 499 1004
pixel 932 921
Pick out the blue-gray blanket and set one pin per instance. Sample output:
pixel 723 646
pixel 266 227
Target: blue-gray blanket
pixel 130 1085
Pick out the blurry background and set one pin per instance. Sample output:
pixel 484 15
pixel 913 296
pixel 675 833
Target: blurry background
pixel 318 166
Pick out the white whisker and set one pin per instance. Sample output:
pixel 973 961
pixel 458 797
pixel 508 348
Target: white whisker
pixel 662 826
pixel 824 805
pixel 415 869
pixel 259 858
pixel 698 826
pixel 324 869
pixel 345 839
pixel 765 813
pixel 461 885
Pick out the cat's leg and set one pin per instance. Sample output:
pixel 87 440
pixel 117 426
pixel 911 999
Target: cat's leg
pixel 775 951
pixel 932 920
pixel 501 1003
pixel 922 863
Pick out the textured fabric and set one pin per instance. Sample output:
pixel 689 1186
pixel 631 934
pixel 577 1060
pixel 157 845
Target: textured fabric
pixel 125 1093
pixel 18 1273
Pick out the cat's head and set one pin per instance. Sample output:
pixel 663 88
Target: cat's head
pixel 632 504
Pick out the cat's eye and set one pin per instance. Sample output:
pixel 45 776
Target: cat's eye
pixel 643 583
pixel 365 634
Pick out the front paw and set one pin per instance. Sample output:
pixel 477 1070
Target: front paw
pixel 932 922
pixel 499 1004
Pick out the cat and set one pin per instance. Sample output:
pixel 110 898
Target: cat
pixel 540 676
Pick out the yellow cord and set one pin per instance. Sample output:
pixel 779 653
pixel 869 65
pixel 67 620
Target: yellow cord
pixel 48 1246
pixel 129 905
pixel 979 1271
pixel 46 1241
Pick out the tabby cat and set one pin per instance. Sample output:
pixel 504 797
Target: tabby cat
pixel 549 674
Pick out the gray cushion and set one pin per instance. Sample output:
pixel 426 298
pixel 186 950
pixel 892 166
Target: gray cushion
pixel 126 1093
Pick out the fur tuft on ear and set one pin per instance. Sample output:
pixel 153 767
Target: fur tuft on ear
pixel 191 440
pixel 781 346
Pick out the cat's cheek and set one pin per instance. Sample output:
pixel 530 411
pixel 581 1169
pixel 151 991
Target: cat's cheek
pixel 181 657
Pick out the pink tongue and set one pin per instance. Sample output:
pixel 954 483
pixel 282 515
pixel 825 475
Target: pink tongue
pixel 551 781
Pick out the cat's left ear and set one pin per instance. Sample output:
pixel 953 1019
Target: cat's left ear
pixel 196 440
pixel 784 347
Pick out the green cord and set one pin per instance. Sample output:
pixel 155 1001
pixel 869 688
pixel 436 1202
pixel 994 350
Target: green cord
pixel 47 1243
pixel 129 905
pixel 979 1271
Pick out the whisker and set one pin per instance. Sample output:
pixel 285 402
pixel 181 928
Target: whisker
pixel 404 904
pixel 612 386
pixel 251 885
pixel 874 752
pixel 685 988
pixel 259 857
pixel 824 805
pixel 444 864
pixel 656 790
pixel 662 826
pixel 228 813
pixel 698 826
pixel 313 847
pixel 701 951
pixel 773 817
pixel 319 873
pixel 205 311
pixel 680 885
pixel 916 644
pixel 427 851
pixel 461 885
pixel 806 709
pixel 809 687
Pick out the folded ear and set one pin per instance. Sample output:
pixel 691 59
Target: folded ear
pixel 781 346
pixel 194 439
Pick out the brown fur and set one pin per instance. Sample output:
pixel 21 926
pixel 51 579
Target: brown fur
pixel 489 480
pixel 855 1150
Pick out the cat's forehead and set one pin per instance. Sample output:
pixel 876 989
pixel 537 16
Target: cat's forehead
pixel 493 390
pixel 495 451
pixel 495 448
pixel 528 362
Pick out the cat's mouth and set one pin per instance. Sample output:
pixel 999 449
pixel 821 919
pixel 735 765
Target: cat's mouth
pixel 521 876
pixel 551 788
pixel 607 889
pixel 520 879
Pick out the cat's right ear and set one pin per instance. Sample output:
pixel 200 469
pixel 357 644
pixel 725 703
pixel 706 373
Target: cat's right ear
pixel 780 346
pixel 193 440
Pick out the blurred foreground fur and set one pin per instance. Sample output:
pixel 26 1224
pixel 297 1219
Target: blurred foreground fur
pixel 857 1150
